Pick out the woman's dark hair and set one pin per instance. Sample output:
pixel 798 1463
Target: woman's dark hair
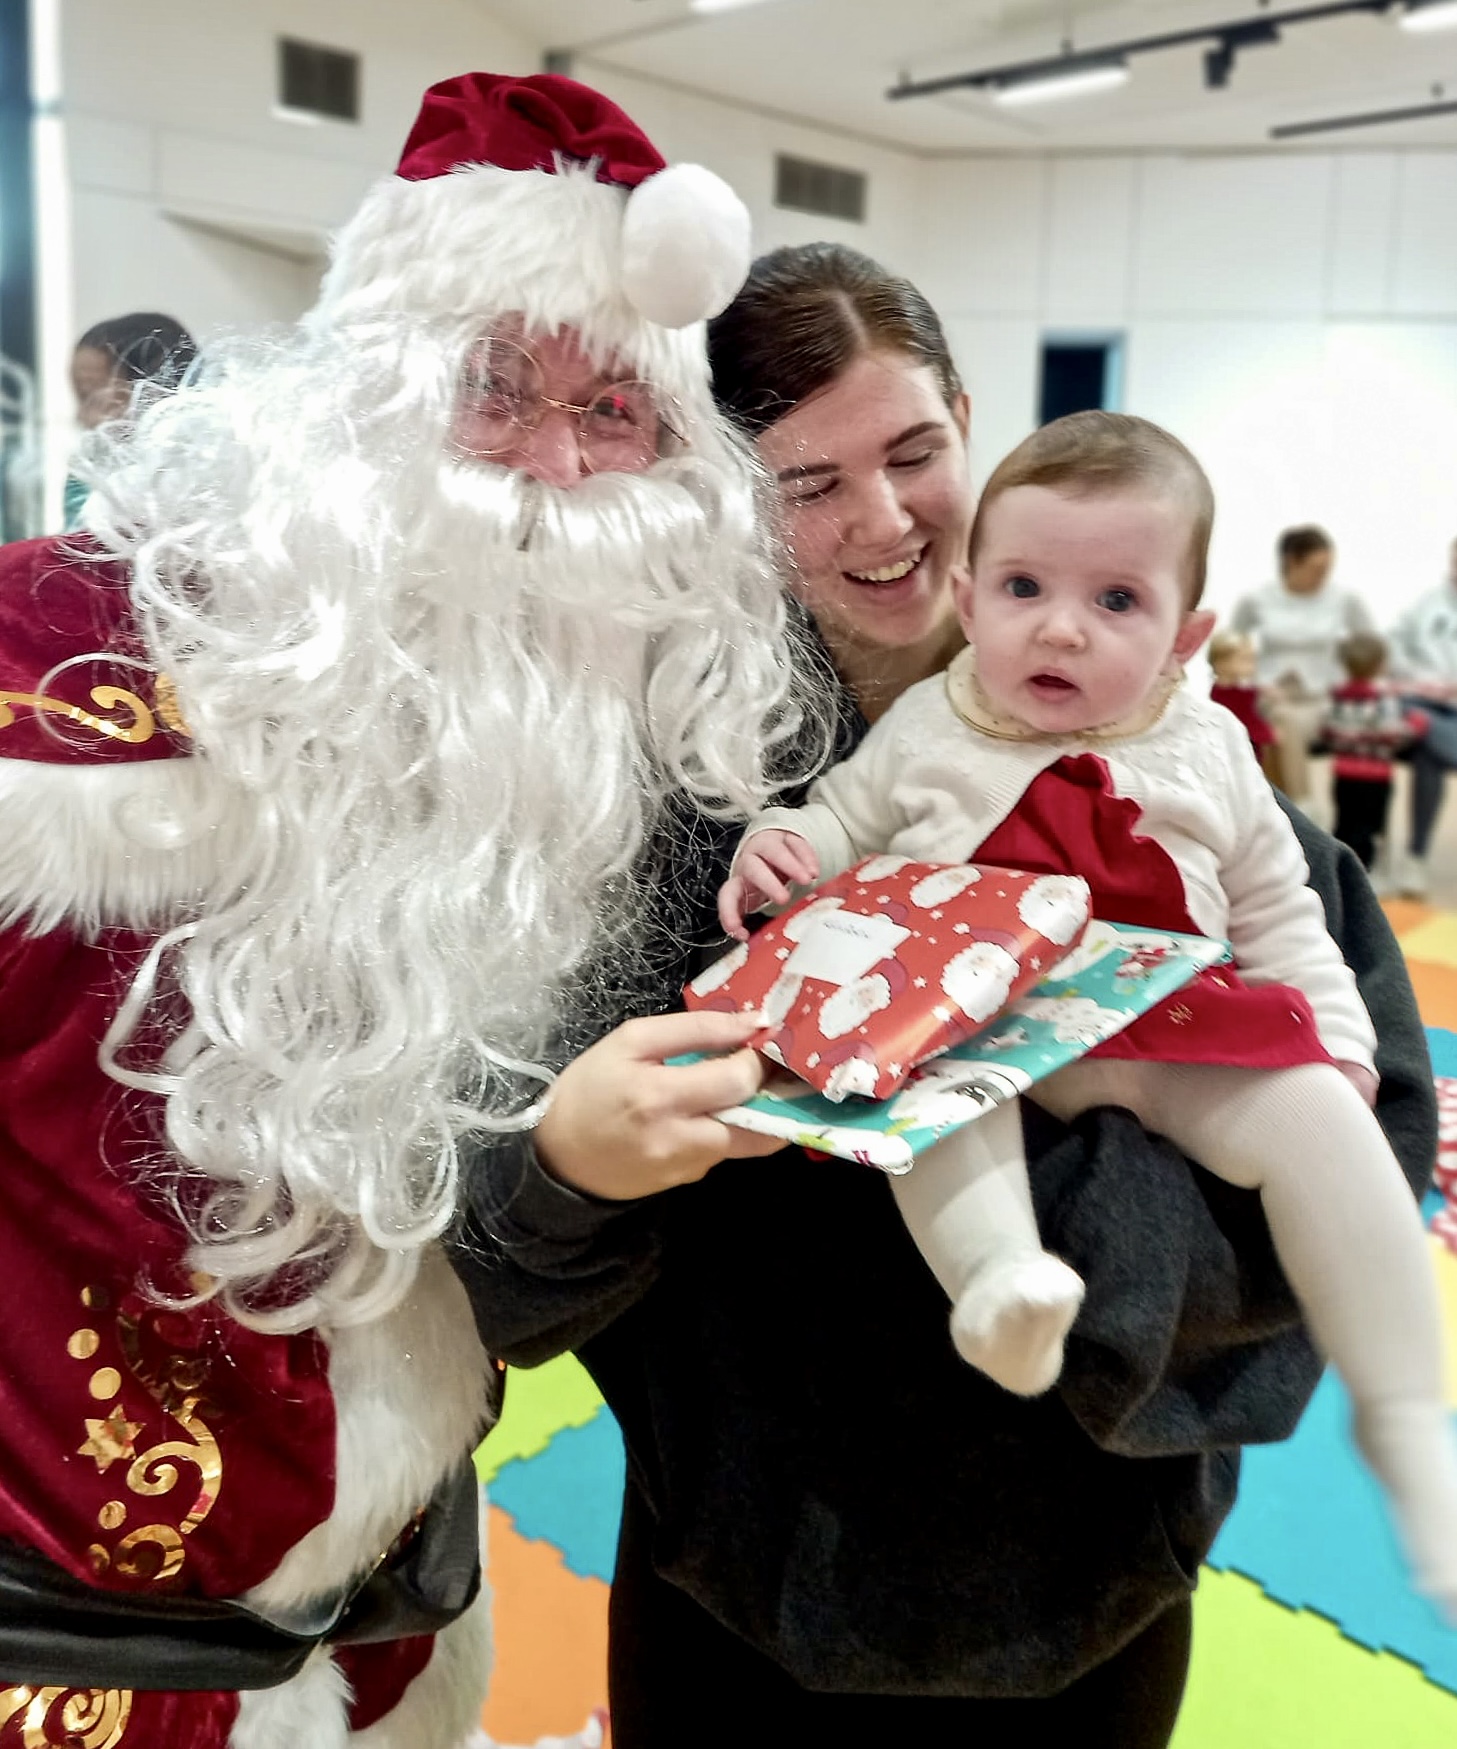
pixel 1300 542
pixel 144 346
pixel 804 314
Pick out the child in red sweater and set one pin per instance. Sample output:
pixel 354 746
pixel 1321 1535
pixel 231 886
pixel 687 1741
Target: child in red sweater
pixel 1232 657
pixel 1365 729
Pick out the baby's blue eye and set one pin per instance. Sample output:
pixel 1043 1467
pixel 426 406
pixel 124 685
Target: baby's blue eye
pixel 1118 600
pixel 1023 588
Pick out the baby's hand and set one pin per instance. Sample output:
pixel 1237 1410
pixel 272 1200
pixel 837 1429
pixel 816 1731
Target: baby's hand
pixel 761 876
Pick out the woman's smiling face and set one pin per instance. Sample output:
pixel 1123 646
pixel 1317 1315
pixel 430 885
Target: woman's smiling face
pixel 872 476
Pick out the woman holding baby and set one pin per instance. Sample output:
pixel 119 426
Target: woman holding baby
pixel 836 1530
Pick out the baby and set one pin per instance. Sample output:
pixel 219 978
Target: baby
pixel 1061 743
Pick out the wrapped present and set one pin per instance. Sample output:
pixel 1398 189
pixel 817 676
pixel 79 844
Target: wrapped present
pixel 892 963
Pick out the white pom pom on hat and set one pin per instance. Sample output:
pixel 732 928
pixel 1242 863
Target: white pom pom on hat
pixel 685 245
pixel 685 241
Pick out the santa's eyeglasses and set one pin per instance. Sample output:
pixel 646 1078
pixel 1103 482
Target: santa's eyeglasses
pixel 625 427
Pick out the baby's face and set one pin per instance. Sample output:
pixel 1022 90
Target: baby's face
pixel 1076 605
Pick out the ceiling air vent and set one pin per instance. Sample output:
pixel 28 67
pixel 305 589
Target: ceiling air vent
pixel 824 189
pixel 318 81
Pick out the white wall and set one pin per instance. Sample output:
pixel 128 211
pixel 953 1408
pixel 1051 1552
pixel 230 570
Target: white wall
pixel 174 143
pixel 1292 316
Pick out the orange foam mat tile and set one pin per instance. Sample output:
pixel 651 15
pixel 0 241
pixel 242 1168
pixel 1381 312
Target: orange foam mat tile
pixel 1406 914
pixel 550 1668
pixel 1436 989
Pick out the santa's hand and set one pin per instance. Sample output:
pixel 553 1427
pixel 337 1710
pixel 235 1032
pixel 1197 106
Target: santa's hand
pixel 622 1123
pixel 765 865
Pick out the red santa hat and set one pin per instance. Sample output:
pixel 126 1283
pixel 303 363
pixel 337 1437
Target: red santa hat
pixel 672 242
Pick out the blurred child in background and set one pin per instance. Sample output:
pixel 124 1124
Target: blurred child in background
pixel 1366 727
pixel 1232 657
pixel 108 362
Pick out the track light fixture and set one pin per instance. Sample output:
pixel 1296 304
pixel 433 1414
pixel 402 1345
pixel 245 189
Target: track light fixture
pixel 1219 61
pixel 1080 81
pixel 1424 15
pixel 1225 42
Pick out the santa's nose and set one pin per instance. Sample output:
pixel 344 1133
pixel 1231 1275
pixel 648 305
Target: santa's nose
pixel 552 453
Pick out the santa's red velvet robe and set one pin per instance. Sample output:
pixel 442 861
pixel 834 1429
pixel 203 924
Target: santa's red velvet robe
pixel 142 1448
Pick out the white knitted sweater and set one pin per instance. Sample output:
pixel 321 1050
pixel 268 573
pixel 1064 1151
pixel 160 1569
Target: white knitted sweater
pixel 926 784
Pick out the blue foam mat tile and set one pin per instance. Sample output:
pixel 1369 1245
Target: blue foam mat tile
pixel 1310 1529
pixel 1443 1046
pixel 570 1495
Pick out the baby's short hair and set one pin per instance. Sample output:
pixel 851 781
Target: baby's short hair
pixel 1097 454
pixel 1363 655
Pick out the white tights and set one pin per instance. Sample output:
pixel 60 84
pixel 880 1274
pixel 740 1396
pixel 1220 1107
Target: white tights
pixel 1343 1219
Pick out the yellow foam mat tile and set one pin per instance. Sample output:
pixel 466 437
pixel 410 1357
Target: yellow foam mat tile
pixel 1434 940
pixel 540 1402
pixel 1447 1287
pixel 1266 1677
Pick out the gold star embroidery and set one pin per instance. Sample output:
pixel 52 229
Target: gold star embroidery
pixel 112 1439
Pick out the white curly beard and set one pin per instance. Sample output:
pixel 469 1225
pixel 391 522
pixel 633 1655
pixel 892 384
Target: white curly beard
pixel 454 702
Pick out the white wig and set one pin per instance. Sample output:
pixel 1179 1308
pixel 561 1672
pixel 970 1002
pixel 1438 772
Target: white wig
pixel 456 704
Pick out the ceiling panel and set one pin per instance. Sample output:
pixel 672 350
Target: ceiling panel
pixel 830 62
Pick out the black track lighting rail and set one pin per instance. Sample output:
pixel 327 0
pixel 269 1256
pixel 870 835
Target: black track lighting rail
pixel 1368 118
pixel 1225 40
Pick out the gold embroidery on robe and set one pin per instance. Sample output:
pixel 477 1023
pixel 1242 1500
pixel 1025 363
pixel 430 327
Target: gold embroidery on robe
pixel 64 1718
pixel 151 1552
pixel 140 729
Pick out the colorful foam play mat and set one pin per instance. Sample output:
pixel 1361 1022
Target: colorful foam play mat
pixel 1306 1635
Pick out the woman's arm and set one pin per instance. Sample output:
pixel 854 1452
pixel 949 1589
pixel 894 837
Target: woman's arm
pixel 545 1267
pixel 559 1233
pixel 1189 1338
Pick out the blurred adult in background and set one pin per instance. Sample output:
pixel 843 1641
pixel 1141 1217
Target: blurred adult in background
pixel 834 1531
pixel 1299 624
pixel 1424 661
pixel 108 362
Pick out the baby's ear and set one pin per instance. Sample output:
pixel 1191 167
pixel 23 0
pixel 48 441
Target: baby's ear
pixel 961 592
pixel 1192 634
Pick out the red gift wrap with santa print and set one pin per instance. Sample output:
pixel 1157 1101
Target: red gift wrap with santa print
pixel 892 963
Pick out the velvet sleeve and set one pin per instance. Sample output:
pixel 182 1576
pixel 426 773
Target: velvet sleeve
pixel 1189 1338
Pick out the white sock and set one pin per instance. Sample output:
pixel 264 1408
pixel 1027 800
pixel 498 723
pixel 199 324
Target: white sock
pixel 968 1206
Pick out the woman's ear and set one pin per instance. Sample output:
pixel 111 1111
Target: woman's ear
pixel 961 413
pixel 1192 634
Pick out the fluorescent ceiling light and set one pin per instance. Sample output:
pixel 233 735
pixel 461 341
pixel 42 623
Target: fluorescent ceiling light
pixel 1076 82
pixel 720 5
pixel 1440 15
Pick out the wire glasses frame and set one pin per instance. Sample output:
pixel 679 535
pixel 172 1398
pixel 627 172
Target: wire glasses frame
pixel 624 428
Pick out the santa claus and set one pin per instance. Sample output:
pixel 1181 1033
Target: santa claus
pixel 326 755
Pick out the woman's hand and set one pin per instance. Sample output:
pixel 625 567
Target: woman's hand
pixel 622 1123
pixel 763 869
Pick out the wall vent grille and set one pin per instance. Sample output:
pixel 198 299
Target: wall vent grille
pixel 826 190
pixel 318 81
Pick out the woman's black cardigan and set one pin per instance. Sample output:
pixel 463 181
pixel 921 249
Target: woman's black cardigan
pixel 822 1472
